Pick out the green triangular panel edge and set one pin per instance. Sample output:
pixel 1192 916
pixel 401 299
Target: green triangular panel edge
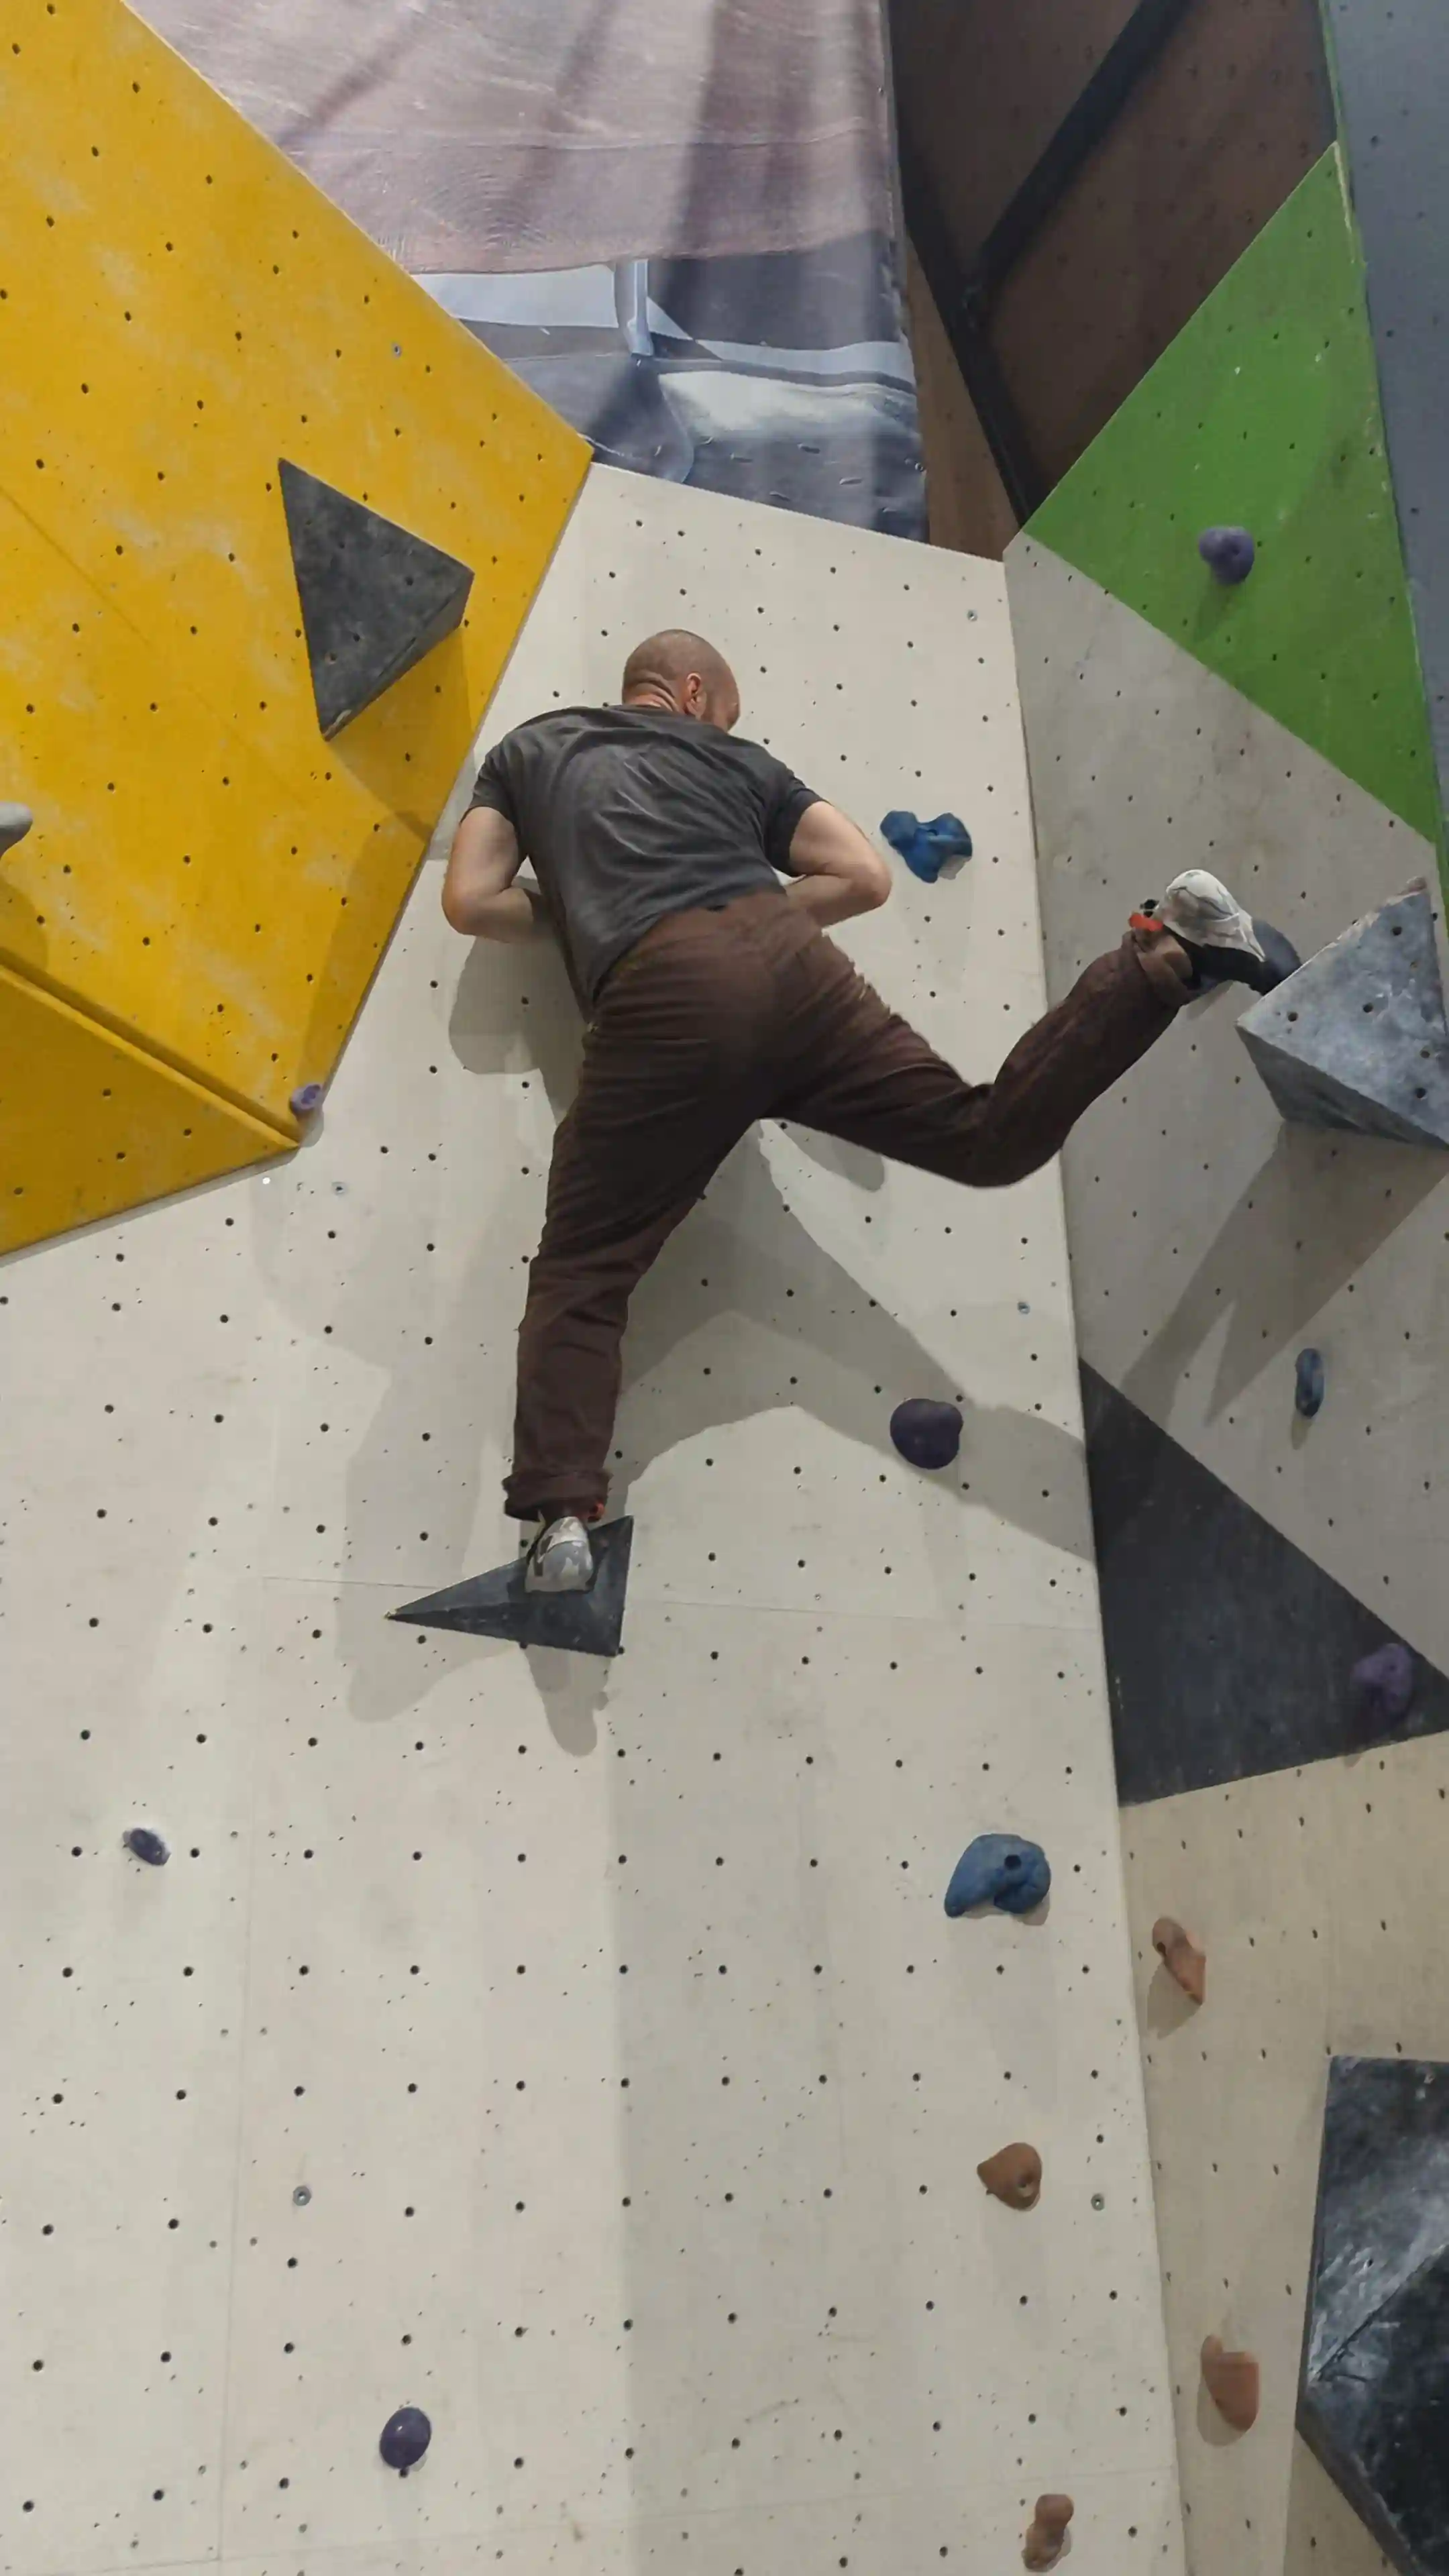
pixel 1264 413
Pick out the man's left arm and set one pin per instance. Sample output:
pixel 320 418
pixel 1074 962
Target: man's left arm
pixel 838 873
pixel 480 894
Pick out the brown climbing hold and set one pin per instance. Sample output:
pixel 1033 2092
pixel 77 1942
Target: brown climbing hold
pixel 1014 2175
pixel 1180 1956
pixel 1231 2379
pixel 1043 2545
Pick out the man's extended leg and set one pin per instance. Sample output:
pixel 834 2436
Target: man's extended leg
pixel 861 1073
pixel 670 1081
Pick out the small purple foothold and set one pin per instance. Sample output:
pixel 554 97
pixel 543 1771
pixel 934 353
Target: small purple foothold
pixel 15 822
pixel 404 2438
pixel 147 1846
pixel 1227 552
pixel 1383 1685
pixel 927 1433
pixel 306 1100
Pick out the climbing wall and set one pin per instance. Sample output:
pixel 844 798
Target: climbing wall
pixel 1389 67
pixel 578 2051
pixel 188 931
pixel 1275 733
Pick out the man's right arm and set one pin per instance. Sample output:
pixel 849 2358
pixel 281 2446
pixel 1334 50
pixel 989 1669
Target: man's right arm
pixel 480 896
pixel 838 873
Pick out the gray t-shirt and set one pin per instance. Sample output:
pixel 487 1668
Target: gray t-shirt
pixel 629 813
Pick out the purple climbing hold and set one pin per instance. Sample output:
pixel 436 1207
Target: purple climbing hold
pixel 1308 1383
pixel 146 1846
pixel 404 2438
pixel 15 822
pixel 1383 1685
pixel 306 1100
pixel 927 1433
pixel 1227 552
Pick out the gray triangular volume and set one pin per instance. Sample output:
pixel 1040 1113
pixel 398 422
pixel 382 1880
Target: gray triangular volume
pixel 374 597
pixel 1372 2397
pixel 1358 1038
pixel 496 1604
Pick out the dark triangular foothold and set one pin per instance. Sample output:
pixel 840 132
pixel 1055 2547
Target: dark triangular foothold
pixel 1371 2400
pixel 374 597
pixel 496 1604
pixel 1229 1651
pixel 1358 1037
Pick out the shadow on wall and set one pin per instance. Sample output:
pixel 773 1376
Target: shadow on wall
pixel 1323 2531
pixel 771 1320
pixel 1313 1214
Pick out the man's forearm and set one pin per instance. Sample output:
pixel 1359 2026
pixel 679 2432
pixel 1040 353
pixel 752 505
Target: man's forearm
pixel 516 913
pixel 830 899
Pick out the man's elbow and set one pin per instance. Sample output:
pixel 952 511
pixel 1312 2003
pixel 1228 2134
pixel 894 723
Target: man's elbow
pixel 460 901
pixel 875 882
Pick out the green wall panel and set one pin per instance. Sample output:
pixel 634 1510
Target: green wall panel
pixel 1264 413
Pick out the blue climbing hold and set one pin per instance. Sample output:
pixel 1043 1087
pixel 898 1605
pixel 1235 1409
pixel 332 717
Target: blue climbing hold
pixel 146 1846
pixel 926 847
pixel 1383 1685
pixel 306 1100
pixel 404 2438
pixel 999 1870
pixel 927 1433
pixel 1227 552
pixel 1308 1383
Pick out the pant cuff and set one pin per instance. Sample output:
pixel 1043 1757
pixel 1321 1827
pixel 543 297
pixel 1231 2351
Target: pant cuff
pixel 1161 974
pixel 571 1489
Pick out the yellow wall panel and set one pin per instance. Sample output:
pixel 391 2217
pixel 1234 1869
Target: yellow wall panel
pixel 167 884
pixel 89 1124
pixel 179 308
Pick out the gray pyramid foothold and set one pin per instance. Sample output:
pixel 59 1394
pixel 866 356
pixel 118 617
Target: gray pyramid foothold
pixel 1358 1037
pixel 496 1604
pixel 374 597
pixel 1373 2403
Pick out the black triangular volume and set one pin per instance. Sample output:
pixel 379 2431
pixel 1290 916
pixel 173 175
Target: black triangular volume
pixel 1229 1652
pixel 1373 2404
pixel 374 597
pixel 497 1605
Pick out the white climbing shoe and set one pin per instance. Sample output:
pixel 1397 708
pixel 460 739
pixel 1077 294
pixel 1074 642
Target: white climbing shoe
pixel 560 1558
pixel 1225 944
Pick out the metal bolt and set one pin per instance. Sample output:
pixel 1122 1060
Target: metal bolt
pixel 301 2195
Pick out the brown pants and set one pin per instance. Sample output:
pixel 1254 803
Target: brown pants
pixel 721 1017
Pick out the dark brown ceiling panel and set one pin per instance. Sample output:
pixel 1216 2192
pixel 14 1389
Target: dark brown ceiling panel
pixel 981 87
pixel 1216 135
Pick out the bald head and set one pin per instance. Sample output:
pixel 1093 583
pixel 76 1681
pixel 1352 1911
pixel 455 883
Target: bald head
pixel 684 673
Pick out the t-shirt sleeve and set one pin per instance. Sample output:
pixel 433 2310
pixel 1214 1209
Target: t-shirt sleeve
pixel 490 787
pixel 786 799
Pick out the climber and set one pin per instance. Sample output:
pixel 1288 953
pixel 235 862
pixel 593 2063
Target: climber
pixel 712 998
